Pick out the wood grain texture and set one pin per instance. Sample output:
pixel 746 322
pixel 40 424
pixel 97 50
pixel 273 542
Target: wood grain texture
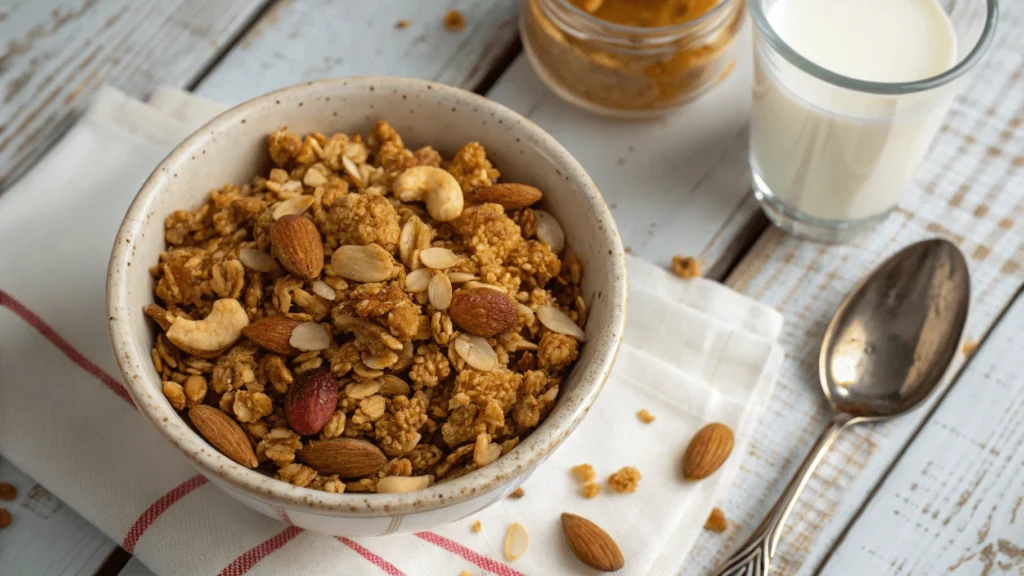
pixel 674 183
pixel 961 505
pixel 55 53
pixel 45 536
pixel 969 189
pixel 301 40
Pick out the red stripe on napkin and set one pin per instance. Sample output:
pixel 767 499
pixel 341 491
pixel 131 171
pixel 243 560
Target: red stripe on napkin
pixel 467 554
pixel 159 507
pixel 377 561
pixel 246 561
pixel 33 320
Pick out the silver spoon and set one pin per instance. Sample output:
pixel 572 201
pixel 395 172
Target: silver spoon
pixel 886 348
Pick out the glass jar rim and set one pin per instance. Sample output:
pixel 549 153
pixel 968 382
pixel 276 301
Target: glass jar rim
pixel 643 30
pixel 760 18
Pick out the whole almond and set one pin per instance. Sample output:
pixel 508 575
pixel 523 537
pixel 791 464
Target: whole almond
pixel 273 333
pixel 510 196
pixel 346 457
pixel 296 243
pixel 483 311
pixel 224 433
pixel 707 451
pixel 311 401
pixel 592 545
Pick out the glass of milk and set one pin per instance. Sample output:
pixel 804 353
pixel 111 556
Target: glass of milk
pixel 848 95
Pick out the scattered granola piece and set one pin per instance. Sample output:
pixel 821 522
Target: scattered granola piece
pixel 454 21
pixel 645 416
pixel 584 473
pixel 5 518
pixel 716 521
pixel 475 527
pixel 465 573
pixel 591 489
pixel 516 541
pixel 517 493
pixel 686 267
pixel 402 24
pixel 625 480
pixel 969 348
pixel 629 250
pixel 8 491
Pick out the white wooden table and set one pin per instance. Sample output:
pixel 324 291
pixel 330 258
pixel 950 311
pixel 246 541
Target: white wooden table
pixel 935 492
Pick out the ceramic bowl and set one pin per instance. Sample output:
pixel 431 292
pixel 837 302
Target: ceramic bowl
pixel 231 148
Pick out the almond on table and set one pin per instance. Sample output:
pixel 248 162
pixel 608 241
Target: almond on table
pixel 707 451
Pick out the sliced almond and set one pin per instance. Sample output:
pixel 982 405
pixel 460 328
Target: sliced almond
pixel 364 371
pixel 474 284
pixel 352 170
pixel 460 277
pixel 393 386
pixel 360 390
pixel 380 361
pixel 400 484
pixel 527 312
pixel 224 433
pixel 418 280
pixel 292 206
pixel 516 541
pixel 310 336
pixel 321 289
pixel 407 240
pixel 369 263
pixel 440 292
pixel 555 320
pixel 525 345
pixel 258 261
pixel 438 258
pixel 484 452
pixel 549 231
pixel 476 351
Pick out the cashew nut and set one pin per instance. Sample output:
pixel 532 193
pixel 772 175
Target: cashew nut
pixel 435 186
pixel 210 336
pixel 402 484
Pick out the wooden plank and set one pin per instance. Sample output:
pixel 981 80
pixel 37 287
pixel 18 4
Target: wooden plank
pixel 45 536
pixel 676 185
pixel 303 40
pixel 968 190
pixel 135 568
pixel 958 505
pixel 55 53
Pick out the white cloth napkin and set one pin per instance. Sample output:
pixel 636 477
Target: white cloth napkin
pixel 694 352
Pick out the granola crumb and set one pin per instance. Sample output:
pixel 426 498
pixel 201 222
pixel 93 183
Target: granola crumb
pixel 716 521
pixel 517 493
pixel 591 489
pixel 584 473
pixel 625 480
pixel 465 573
pixel 969 348
pixel 629 250
pixel 454 21
pixel 5 518
pixel 402 24
pixel 8 491
pixel 685 267
pixel 645 416
pixel 475 527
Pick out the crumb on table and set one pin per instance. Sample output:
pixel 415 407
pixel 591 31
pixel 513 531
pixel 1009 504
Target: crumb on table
pixel 625 480
pixel 454 21
pixel 645 416
pixel 584 473
pixel 465 573
pixel 629 250
pixel 8 491
pixel 5 518
pixel 685 266
pixel 402 24
pixel 969 348
pixel 517 493
pixel 591 489
pixel 475 527
pixel 716 521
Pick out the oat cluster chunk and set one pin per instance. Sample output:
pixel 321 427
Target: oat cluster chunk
pixel 625 481
pixel 318 303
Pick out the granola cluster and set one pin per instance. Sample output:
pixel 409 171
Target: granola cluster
pixel 362 290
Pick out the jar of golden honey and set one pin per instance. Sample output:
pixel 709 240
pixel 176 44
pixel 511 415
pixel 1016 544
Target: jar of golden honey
pixel 631 58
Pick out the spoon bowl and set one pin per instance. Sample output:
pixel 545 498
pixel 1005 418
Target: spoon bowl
pixel 890 341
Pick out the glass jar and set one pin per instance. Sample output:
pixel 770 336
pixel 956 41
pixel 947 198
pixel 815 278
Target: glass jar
pixel 629 71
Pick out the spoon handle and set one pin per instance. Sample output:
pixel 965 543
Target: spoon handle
pixel 755 555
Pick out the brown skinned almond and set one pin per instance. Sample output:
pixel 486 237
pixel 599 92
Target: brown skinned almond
pixel 707 451
pixel 224 433
pixel 592 545
pixel 510 196
pixel 273 333
pixel 296 243
pixel 483 311
pixel 346 457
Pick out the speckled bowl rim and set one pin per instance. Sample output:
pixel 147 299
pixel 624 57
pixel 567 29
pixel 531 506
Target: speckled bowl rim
pixel 537 446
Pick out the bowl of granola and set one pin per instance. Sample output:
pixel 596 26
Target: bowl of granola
pixel 367 305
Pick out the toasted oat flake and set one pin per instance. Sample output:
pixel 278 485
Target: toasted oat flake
pixel 321 289
pixel 393 386
pixel 645 416
pixel 258 261
pixel 625 480
pixel 555 320
pixel 438 258
pixel 476 351
pixel 516 541
pixel 685 267
pixel 296 205
pixel 584 472
pixel 310 336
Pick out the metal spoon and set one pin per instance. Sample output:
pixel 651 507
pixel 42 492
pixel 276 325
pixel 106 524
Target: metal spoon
pixel 886 348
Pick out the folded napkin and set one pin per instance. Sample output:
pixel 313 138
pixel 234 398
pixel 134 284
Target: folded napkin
pixel 694 352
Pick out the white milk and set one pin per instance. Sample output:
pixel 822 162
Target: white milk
pixel 837 154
